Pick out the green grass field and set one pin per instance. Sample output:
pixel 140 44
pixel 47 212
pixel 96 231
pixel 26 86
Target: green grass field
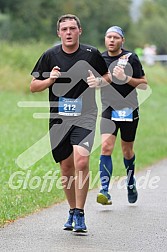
pixel 26 190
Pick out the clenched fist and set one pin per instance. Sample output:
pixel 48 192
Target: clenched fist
pixel 55 73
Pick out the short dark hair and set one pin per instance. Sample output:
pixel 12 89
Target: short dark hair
pixel 70 17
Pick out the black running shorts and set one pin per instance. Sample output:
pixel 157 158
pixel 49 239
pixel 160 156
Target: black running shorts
pixel 127 129
pixel 63 138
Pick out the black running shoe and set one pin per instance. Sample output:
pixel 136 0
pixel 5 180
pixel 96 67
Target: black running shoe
pixel 132 193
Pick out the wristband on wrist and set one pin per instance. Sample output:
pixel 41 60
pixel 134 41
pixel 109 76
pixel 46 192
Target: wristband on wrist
pixel 99 81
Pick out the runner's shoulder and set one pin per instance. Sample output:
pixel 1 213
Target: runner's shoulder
pixel 53 50
pixel 88 48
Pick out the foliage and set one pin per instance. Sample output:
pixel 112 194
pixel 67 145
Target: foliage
pixel 27 20
pixel 37 19
pixel 152 24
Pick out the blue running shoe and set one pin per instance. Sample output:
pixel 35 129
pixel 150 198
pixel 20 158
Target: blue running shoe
pixel 132 193
pixel 79 222
pixel 104 198
pixel 69 224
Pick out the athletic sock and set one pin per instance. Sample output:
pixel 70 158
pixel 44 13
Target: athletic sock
pixel 130 168
pixel 72 210
pixel 105 168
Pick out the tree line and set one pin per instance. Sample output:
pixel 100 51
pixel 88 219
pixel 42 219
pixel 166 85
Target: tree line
pixel 36 20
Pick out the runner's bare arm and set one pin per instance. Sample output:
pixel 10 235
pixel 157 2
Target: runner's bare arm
pixel 40 85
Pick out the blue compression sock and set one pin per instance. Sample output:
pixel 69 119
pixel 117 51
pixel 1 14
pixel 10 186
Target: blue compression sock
pixel 105 168
pixel 130 168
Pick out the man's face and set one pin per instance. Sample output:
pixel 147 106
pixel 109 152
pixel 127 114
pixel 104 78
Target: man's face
pixel 69 32
pixel 113 42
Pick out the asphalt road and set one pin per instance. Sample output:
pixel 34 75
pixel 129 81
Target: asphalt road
pixel 121 227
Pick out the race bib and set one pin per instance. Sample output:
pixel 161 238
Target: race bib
pixel 125 114
pixel 70 106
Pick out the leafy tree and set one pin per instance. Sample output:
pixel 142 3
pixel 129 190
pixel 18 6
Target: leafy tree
pixel 152 23
pixel 37 19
